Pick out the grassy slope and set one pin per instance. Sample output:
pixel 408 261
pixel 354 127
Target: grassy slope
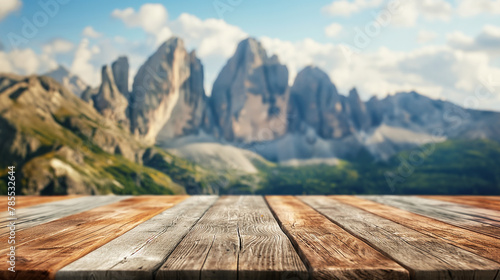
pixel 452 167
pixel 65 146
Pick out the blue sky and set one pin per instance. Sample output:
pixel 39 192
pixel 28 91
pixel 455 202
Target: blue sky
pixel 444 49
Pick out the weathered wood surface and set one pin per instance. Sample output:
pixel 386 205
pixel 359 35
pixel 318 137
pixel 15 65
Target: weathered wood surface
pixel 138 253
pixel 330 251
pixel 249 237
pixel 265 251
pixel 44 249
pixel 488 202
pixel 480 220
pixel 474 242
pixel 43 213
pixel 237 238
pixel 424 256
pixel 23 201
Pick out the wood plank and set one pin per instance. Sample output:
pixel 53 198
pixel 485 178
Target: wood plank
pixel 23 201
pixel 480 220
pixel 330 251
pixel 212 246
pixel 44 249
pixel 488 202
pixel 471 241
pixel 43 213
pixel 138 253
pixel 424 256
pixel 237 238
pixel 266 252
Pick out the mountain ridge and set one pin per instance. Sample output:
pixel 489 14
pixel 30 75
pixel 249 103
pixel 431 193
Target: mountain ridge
pixel 252 102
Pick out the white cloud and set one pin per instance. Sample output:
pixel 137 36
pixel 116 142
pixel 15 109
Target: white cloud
pixel 346 8
pixel 439 72
pixel 333 30
pixel 82 65
pixel 5 65
pixel 9 6
pixel 487 41
pixel 435 9
pixel 150 17
pixel 90 32
pixel 426 36
pixel 469 8
pixel 435 71
pixel 210 37
pixel 214 39
pixel 58 45
pixel 409 12
pixel 25 62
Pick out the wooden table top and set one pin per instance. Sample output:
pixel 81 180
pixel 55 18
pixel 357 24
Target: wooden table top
pixel 253 237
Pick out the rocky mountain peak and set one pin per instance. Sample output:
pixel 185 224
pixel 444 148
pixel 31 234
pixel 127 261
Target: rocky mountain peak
pixel 167 97
pixel 315 103
pixel 120 69
pixel 359 114
pixel 72 82
pixel 250 95
pixel 109 101
pixel 354 95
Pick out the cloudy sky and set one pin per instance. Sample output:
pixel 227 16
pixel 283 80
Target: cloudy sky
pixel 443 49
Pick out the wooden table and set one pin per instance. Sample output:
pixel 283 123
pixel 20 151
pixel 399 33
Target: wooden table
pixel 253 237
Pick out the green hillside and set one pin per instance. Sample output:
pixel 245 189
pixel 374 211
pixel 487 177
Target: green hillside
pixel 60 145
pixel 451 167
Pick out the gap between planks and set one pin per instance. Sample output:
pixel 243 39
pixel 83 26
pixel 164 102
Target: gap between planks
pixel 46 212
pixel 138 253
pixel 329 251
pixel 46 248
pixel 23 201
pixel 424 256
pixel 488 202
pixel 484 221
pixel 482 245
pixel 237 238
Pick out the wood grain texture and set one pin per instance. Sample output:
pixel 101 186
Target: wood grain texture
pixel 480 220
pixel 426 257
pixel 23 201
pixel 42 250
pixel 330 251
pixel 43 213
pixel 265 251
pixel 488 202
pixel 212 246
pixel 474 242
pixel 238 238
pixel 138 253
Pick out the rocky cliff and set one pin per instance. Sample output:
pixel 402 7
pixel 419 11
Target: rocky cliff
pixel 315 102
pixel 70 81
pixel 109 100
pixel 167 99
pixel 250 96
pixel 251 104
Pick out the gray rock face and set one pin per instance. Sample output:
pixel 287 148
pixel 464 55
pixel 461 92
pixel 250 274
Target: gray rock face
pixel 315 102
pixel 250 96
pixel 120 73
pixel 419 113
pixel 109 101
pixel 67 79
pixel 358 112
pixel 168 99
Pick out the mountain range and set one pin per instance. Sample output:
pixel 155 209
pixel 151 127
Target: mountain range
pixel 165 134
pixel 251 103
